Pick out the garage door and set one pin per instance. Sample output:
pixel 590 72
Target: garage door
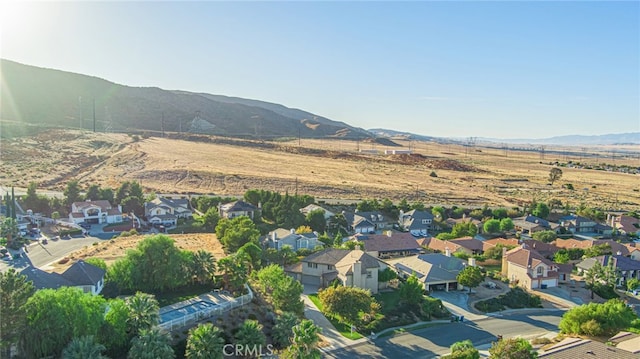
pixel 308 279
pixel 550 283
pixel 534 283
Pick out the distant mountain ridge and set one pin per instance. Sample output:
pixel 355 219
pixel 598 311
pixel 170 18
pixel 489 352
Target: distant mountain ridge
pixel 571 140
pixel 54 97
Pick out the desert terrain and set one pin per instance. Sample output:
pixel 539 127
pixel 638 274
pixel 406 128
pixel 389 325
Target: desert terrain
pixel 326 169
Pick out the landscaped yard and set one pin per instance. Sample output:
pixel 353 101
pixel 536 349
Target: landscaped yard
pixel 181 294
pixel 388 300
pixel 344 329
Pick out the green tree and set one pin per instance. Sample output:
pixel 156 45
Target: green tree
pixel 107 194
pixel 506 224
pixel 281 290
pixel 545 236
pixel 93 192
pixel 315 219
pixel 15 290
pixel 438 212
pixel 234 272
pixel 411 291
pixel 236 232
pixel 204 342
pixel 337 224
pixel 250 334
pixel 143 312
pixel 98 262
pixel 211 218
pixel 598 250
pixel 9 230
pixel 54 317
pixel 470 277
pixel 492 226
pixel 204 266
pixel 252 254
pixel 346 302
pixel 84 347
pixel 561 257
pixel 512 348
pixel 72 193
pixel 463 350
pixel 304 342
pixel 541 210
pixel 464 229
pixel 386 275
pixel 499 213
pixel 632 284
pixel 132 204
pixel 283 329
pixel 113 332
pixel 151 344
pixel 555 174
pixel 597 319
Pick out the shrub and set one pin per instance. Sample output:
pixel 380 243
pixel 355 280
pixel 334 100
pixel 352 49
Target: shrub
pixel 433 174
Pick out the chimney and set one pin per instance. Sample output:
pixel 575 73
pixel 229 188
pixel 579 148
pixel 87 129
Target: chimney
pixel 472 261
pixel 357 274
pixel 389 234
pixel 618 253
pixel 293 231
pixel 447 252
pixel 274 237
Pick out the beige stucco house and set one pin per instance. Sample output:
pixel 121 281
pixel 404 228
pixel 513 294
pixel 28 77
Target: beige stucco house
pixel 529 269
pixel 353 268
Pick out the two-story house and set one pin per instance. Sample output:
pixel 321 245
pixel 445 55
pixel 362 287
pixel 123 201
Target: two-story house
pixel 99 211
pixel 530 224
pixel 529 269
pixel 418 223
pixel 625 225
pixel 626 268
pixel 583 225
pixel 314 207
pixel 352 268
pixel 166 211
pixel 281 237
pixel 237 209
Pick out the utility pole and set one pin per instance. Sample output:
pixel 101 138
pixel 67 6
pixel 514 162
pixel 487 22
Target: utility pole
pixel 162 125
pixel 94 115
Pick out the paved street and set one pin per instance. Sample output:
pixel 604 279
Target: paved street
pixel 39 255
pixel 434 341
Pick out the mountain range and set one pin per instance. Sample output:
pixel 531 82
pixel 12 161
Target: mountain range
pixel 35 95
pixel 51 97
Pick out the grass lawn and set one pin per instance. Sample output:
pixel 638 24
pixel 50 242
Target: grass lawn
pixel 492 267
pixel 180 294
pixel 344 329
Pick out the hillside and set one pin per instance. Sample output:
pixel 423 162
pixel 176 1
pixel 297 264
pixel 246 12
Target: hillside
pixel 332 169
pixel 51 97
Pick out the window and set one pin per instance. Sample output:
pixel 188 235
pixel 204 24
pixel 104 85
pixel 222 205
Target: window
pixel 426 221
pixel 330 267
pixel 312 265
pixel 540 269
pixel 369 275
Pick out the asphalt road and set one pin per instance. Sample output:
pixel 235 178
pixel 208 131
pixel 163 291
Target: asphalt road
pixel 435 341
pixel 39 255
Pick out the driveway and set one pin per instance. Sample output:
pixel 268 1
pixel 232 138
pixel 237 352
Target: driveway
pixel 559 296
pixel 457 303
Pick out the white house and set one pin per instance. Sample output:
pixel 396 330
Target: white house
pixel 166 211
pixel 95 212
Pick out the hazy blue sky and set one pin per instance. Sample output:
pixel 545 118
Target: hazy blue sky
pixel 489 69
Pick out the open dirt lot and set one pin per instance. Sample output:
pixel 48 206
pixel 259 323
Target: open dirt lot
pixel 115 249
pixel 471 176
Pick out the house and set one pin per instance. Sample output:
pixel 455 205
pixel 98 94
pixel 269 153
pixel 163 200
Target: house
pixel 281 237
pixel 451 222
pixel 435 271
pixel 418 223
pixel 358 224
pixel 626 268
pixel 578 348
pixel 634 252
pixel 547 250
pixel 237 209
pixel 467 245
pixel 625 250
pixel 314 207
pixel 582 225
pixel 81 274
pixel 625 225
pixel 166 211
pixel 352 268
pixel 490 243
pixel 388 245
pixel 530 224
pixel 99 211
pixel 627 341
pixel 528 268
pixel 473 245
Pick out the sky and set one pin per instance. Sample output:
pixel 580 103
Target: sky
pixel 449 69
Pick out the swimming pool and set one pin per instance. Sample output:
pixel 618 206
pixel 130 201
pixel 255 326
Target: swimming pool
pixel 185 310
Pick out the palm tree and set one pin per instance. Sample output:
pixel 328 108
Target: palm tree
pixel 204 342
pixel 250 334
pixel 204 266
pixel 143 312
pixel 83 348
pixel 305 339
pixel 9 229
pixel 151 344
pixel 235 272
pixel 283 330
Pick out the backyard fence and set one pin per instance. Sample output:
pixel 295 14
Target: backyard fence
pixel 206 313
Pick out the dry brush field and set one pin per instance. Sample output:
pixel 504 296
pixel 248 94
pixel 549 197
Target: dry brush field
pixel 322 168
